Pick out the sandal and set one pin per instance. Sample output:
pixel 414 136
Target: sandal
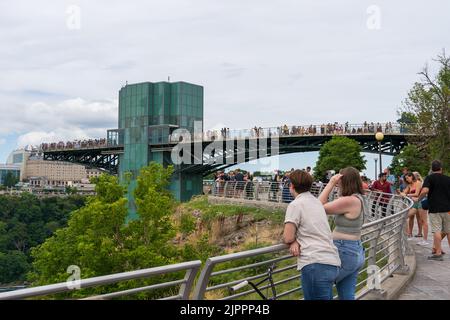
pixel 418 236
pixel 434 251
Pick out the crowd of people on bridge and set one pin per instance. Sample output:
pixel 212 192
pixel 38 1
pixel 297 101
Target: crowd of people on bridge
pixel 327 257
pixel 76 144
pixel 323 129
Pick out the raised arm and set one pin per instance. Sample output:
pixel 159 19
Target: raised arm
pixel 342 205
pixel 328 188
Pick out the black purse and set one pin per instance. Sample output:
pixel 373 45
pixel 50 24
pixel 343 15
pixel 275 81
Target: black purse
pixel 425 204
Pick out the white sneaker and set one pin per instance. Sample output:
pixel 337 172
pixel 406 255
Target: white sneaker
pixel 423 243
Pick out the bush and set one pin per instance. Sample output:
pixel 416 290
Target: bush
pixel 13 267
pixel 187 223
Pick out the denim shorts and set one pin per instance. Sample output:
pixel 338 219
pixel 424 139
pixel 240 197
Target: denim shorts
pixel 352 255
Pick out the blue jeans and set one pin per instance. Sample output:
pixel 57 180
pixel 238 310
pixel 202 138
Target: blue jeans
pixel 317 281
pixel 352 257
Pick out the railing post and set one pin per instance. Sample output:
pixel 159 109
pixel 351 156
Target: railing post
pixel 185 288
pixel 214 189
pixel 202 283
pixel 225 189
pixel 372 261
pixel 321 188
pixel 403 250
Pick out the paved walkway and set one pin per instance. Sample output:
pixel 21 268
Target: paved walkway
pixel 432 278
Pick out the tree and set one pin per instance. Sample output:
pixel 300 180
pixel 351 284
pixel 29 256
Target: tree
pixel 407 118
pixel 338 153
pixel 71 190
pixel 99 241
pixel 26 221
pixel 429 102
pixel 13 266
pixel 91 240
pixel 412 158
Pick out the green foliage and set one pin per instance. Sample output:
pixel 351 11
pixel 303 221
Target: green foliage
pixel 92 235
pixel 26 221
pixel 210 212
pixel 200 250
pixel 429 102
pixel 248 272
pixel 71 190
pixel 155 206
pixel 13 266
pixel 10 180
pixel 412 158
pixel 99 242
pixel 187 223
pixel 407 118
pixel 338 153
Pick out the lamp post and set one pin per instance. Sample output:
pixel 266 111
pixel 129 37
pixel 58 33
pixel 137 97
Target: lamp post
pixel 376 174
pixel 379 136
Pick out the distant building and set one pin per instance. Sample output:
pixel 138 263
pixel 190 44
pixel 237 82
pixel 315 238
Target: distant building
pixel 53 173
pixel 40 173
pixel 9 168
pixel 19 157
pixel 93 172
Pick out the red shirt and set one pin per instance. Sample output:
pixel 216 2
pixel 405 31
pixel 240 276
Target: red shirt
pixel 385 187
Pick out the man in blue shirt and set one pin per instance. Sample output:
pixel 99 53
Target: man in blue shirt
pixel 390 178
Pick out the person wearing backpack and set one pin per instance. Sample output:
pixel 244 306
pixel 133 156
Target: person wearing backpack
pixel 349 210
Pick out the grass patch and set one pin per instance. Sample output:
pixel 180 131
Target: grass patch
pixel 210 212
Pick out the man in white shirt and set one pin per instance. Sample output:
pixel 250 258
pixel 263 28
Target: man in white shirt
pixel 308 233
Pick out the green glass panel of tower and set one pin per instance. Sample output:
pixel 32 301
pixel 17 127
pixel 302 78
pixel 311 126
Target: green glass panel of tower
pixel 147 112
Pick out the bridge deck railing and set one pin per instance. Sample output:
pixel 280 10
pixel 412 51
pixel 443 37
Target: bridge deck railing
pixel 298 131
pixel 116 140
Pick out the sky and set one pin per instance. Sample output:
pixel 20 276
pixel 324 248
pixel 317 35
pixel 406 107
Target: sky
pixel 261 63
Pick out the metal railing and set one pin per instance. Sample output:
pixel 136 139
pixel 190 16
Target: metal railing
pixel 297 131
pixel 261 191
pixel 383 238
pixel 115 137
pixel 185 284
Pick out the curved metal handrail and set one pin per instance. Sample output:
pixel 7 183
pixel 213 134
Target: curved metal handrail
pixel 382 236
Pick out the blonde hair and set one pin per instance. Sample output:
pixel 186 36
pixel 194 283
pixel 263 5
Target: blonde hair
pixel 418 176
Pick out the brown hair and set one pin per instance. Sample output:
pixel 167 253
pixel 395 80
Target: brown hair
pixel 410 174
pixel 350 182
pixel 301 181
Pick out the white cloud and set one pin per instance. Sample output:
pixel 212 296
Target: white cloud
pixel 261 63
pixel 67 120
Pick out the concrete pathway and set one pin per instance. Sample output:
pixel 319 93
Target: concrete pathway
pixel 432 278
